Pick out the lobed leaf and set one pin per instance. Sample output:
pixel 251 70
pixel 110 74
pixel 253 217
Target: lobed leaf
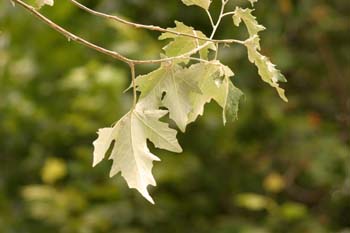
pixel 130 153
pixel 267 70
pixel 249 20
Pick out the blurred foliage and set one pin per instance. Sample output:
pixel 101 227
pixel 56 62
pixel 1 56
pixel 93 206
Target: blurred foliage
pixel 279 168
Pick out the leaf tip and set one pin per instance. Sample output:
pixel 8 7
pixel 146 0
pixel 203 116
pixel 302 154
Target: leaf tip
pixel 146 195
pixel 150 199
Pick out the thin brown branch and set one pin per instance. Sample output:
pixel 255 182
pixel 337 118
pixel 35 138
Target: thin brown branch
pixel 150 27
pixel 100 49
pixel 70 35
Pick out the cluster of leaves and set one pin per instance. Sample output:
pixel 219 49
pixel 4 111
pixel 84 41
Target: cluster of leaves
pixel 189 77
pixel 183 88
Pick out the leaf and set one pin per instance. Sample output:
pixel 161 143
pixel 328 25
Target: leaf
pixel 130 153
pixel 214 81
pixel 267 70
pixel 173 80
pixel 201 3
pixel 182 44
pixel 41 3
pixel 249 20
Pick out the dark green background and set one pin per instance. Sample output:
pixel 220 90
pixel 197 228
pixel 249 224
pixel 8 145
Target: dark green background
pixel 282 167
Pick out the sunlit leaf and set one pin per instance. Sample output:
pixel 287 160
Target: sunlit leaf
pixel 267 70
pixel 130 153
pixel 249 20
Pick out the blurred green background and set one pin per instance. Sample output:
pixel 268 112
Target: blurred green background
pixel 282 167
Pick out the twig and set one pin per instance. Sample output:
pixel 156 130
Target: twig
pixel 149 27
pixel 70 35
pixel 219 19
pixel 120 57
pixel 100 49
pixel 228 13
pixel 210 18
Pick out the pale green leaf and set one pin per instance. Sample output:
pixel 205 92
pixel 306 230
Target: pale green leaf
pixel 249 20
pixel 182 44
pixel 130 153
pixel 267 70
pixel 201 3
pixel 173 80
pixel 214 81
